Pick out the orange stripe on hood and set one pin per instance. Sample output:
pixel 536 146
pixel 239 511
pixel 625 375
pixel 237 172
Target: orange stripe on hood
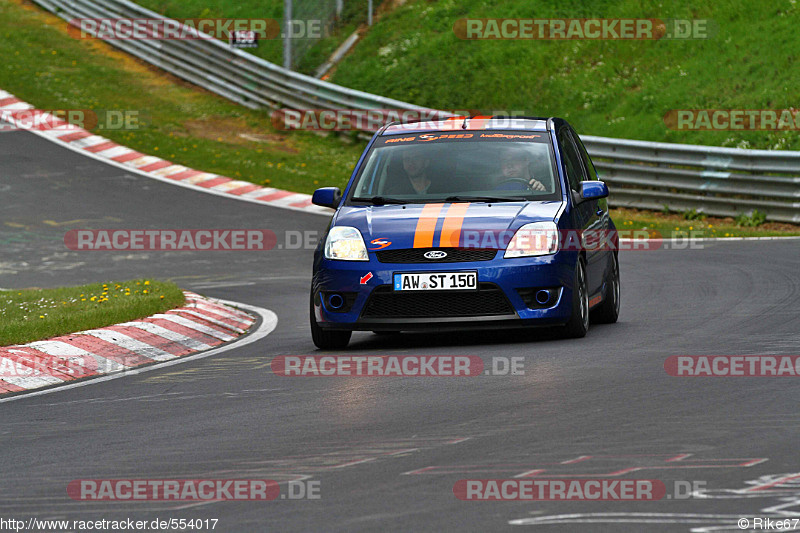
pixel 451 229
pixel 426 225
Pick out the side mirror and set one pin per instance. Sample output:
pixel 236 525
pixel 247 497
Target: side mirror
pixel 327 197
pixel 593 190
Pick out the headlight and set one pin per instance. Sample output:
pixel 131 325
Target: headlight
pixel 537 238
pixel 345 243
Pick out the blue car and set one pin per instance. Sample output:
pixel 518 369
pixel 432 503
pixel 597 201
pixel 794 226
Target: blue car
pixel 466 223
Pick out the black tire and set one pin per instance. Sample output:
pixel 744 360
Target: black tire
pixel 326 339
pixel 608 311
pixel 578 323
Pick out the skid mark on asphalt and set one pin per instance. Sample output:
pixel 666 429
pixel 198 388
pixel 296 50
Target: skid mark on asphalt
pixel 211 370
pixel 590 466
pixel 331 457
pixel 319 459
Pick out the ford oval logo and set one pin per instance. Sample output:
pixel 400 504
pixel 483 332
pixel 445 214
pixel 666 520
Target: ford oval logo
pixel 435 254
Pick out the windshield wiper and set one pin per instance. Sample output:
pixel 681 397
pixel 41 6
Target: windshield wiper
pixel 381 200
pixel 466 198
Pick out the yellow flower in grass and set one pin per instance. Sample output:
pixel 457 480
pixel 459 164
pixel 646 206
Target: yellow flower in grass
pixel 147 283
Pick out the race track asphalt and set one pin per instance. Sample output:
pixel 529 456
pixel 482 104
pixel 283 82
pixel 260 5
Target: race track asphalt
pixel 387 451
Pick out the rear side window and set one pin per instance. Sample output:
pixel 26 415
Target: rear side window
pixel 587 161
pixel 572 163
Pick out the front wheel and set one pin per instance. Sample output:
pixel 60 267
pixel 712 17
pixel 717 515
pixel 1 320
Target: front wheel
pixel 578 323
pixel 608 311
pixel 327 339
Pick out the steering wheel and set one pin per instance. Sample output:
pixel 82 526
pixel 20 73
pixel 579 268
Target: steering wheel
pixel 516 180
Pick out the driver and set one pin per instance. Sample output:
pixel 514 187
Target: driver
pixel 515 166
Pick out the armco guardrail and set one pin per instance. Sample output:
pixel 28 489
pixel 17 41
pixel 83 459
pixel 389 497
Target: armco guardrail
pixel 716 181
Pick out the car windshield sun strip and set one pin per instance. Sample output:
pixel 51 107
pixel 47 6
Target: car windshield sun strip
pixel 381 200
pixel 467 198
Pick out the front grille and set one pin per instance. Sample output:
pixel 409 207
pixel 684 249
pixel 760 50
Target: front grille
pixel 488 300
pixel 417 255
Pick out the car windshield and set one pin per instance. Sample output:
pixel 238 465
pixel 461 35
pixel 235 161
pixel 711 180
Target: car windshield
pixel 472 166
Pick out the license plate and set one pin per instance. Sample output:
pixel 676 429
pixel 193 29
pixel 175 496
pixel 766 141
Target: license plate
pixel 436 281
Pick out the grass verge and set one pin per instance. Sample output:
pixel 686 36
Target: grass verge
pixel 669 225
pixel 29 315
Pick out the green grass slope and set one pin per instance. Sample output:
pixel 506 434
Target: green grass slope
pixel 609 88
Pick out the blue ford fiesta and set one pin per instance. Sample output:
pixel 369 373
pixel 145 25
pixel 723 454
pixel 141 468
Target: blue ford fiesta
pixel 464 224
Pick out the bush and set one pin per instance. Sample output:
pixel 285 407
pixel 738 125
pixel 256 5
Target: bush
pixel 693 214
pixel 754 219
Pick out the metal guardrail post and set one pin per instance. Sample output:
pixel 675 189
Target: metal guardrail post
pixel 287 34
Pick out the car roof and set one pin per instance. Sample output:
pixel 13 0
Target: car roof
pixel 473 123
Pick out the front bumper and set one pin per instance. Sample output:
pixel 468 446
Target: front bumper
pixel 359 281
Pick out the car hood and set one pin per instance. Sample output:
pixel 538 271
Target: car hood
pixel 440 225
